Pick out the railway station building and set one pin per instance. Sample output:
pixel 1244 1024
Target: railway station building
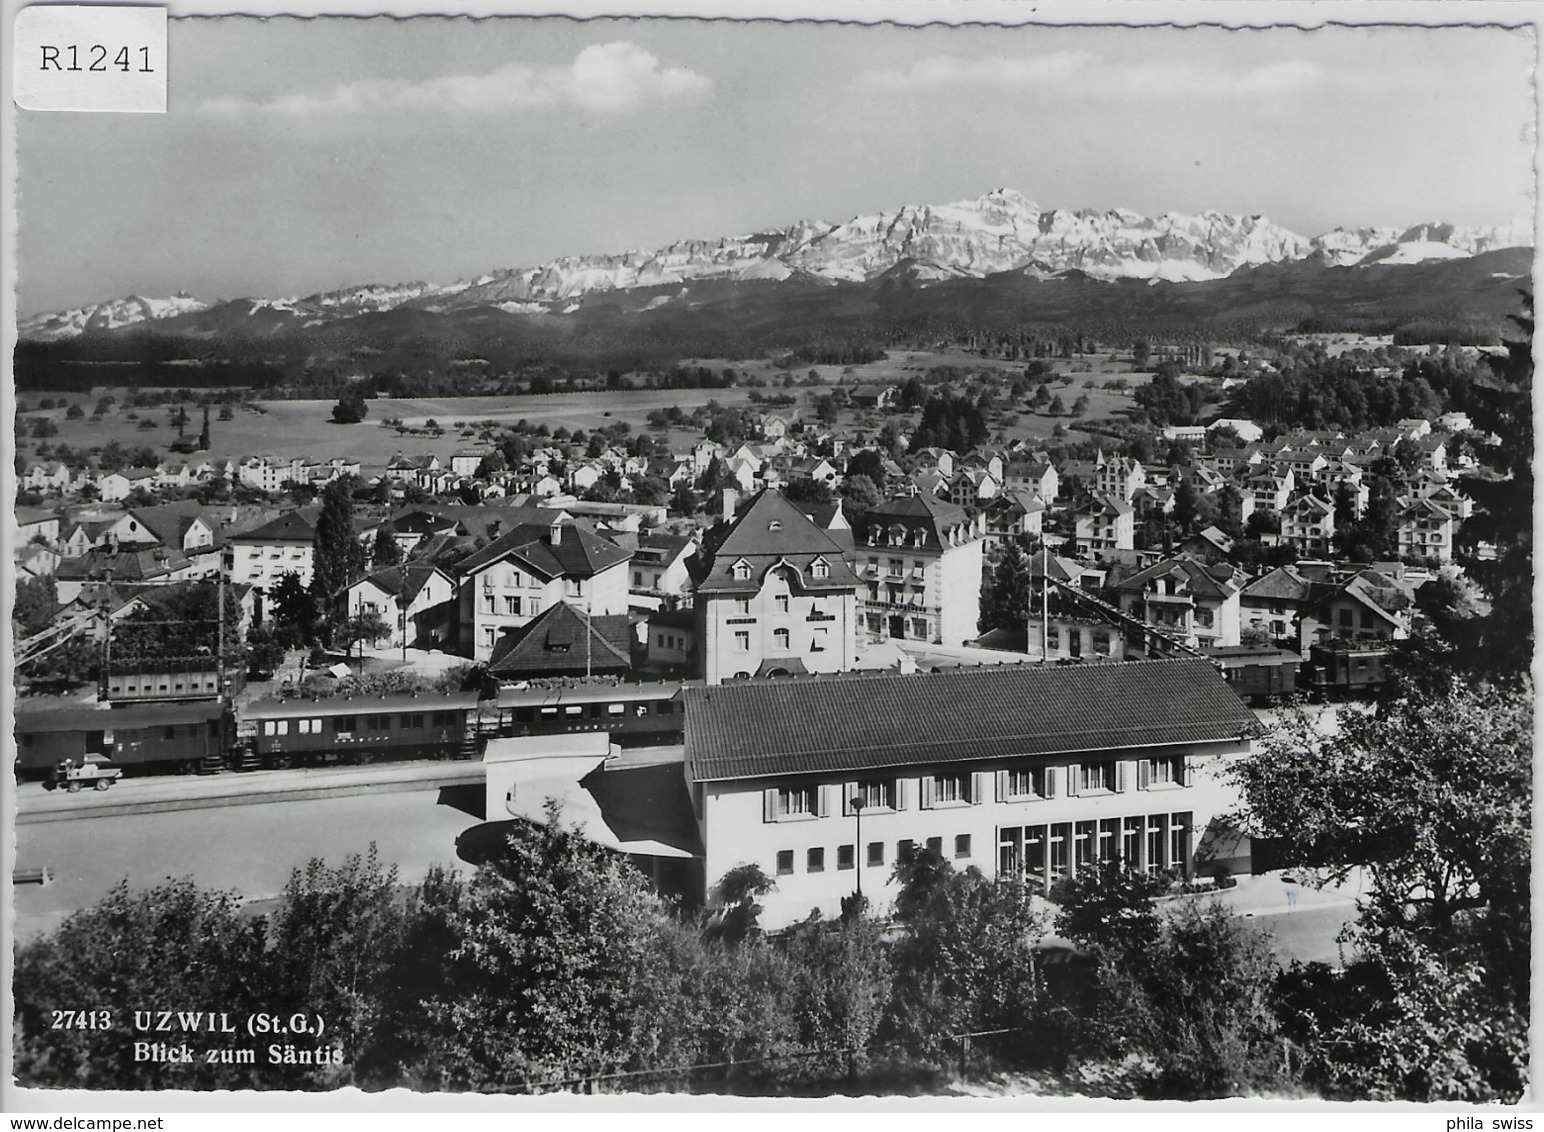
pixel 1026 771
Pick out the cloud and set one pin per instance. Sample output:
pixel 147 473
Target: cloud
pixel 1086 75
pixel 606 78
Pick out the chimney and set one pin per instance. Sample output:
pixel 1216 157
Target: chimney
pixel 731 500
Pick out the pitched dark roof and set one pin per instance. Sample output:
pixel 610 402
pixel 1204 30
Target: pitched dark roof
pixel 578 552
pixel 169 522
pixel 1282 584
pixel 931 514
pixel 292 526
pixel 125 564
pixel 553 644
pixel 768 530
pixel 791 727
pixel 403 582
pixel 1217 581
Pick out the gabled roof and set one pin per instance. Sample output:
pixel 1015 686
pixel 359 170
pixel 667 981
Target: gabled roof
pixel 169 522
pixel 405 581
pixel 292 526
pixel 1281 584
pixel 1213 581
pixel 772 529
pixel 824 726
pixel 553 643
pixel 126 564
pixel 578 551
pixel 931 514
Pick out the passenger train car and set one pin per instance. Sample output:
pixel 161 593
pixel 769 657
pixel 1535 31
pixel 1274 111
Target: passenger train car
pixel 286 733
pixel 634 714
pixel 148 739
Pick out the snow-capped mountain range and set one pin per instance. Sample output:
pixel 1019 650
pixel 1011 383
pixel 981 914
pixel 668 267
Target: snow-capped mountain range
pixel 1001 231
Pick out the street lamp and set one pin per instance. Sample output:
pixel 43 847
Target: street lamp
pixel 857 849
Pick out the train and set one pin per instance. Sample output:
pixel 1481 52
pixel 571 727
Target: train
pixel 212 736
pixel 1342 669
pixel 1260 674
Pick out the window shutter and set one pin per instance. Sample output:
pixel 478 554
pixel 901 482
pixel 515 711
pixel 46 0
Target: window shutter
pixel 849 792
pixel 769 804
pixel 1182 765
pixel 1072 780
pixel 1050 781
pixel 1002 786
pixel 927 793
pixel 1142 774
pixel 978 788
pixel 824 800
pixel 1120 777
pixel 902 788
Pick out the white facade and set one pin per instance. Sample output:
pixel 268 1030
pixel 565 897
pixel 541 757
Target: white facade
pixel 1035 819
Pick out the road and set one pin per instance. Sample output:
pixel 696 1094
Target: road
pixel 251 849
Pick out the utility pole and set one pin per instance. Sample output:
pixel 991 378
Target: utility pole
pixel 1045 602
pixel 219 660
pixel 857 849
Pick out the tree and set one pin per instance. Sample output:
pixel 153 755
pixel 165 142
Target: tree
pixel 35 603
pixel 965 961
pixel 1007 604
pixel 1185 505
pixel 1198 1004
pixel 492 466
pixel 575 949
pixel 332 939
pixel 265 652
pixel 1430 792
pixel 294 609
pixel 74 413
pixel 227 413
pixel 203 436
pixel 860 495
pixel 385 550
pixel 1110 905
pixel 337 556
pixel 173 944
pixel 362 628
pixel 733 911
pixel 350 409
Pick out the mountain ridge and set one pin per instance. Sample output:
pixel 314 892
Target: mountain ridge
pixel 1000 231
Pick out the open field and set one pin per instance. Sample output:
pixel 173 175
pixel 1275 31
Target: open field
pixel 304 428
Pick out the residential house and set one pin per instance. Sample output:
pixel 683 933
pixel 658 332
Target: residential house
pixel 1028 773
pixel 973 488
pixel 34 525
pixel 1274 602
pixel 921 559
pixel 1103 523
pixel 1118 476
pixel 261 556
pixel 1188 600
pixel 660 578
pixel 1038 476
pixel 773 595
pixel 1308 526
pixel 417 601
pixel 1013 515
pixel 464 462
pixel 547 557
pixel 1368 607
pixel 1427 530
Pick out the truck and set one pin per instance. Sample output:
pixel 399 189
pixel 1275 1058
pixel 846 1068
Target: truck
pixel 92 769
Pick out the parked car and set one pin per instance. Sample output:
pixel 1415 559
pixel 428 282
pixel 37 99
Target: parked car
pixel 93 769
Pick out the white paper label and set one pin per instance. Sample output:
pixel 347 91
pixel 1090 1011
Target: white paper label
pixel 75 57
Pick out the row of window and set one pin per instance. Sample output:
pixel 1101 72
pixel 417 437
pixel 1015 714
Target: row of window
pixel 534 713
pixel 780 605
pixel 741 571
pixel 1150 842
pixel 873 857
pixel 346 724
pixel 1013 784
pixel 782 640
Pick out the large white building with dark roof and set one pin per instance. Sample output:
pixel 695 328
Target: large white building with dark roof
pixel 774 596
pixel 920 558
pixel 1023 772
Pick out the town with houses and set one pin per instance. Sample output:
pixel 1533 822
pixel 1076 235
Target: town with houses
pixel 765 585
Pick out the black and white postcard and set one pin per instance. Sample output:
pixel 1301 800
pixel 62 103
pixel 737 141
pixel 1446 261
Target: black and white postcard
pixel 747 558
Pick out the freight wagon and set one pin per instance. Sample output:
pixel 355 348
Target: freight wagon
pixel 1260 674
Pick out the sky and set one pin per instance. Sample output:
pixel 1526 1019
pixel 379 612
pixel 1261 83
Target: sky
pixel 306 155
